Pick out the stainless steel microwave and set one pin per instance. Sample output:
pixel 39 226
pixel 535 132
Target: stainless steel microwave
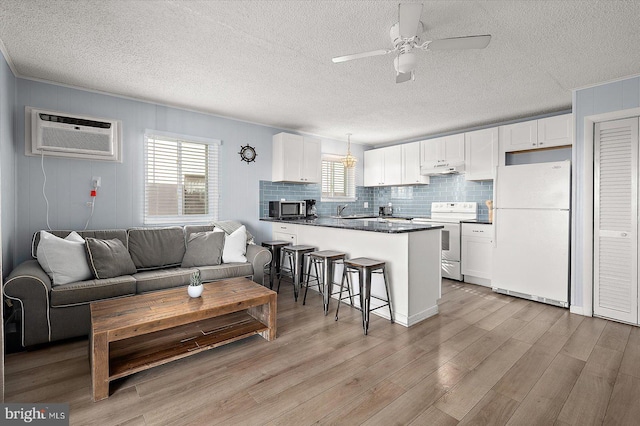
pixel 287 209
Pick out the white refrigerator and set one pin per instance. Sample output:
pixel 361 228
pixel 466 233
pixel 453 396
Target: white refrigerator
pixel 532 224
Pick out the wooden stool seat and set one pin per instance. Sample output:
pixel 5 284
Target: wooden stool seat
pixel 328 254
pixel 365 262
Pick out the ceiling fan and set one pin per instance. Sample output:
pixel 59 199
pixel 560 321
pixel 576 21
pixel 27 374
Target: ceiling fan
pixel 405 36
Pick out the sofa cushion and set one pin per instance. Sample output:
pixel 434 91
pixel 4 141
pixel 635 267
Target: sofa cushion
pixel 63 259
pixel 107 234
pixel 230 226
pixel 163 278
pixel 192 229
pixel 235 246
pixel 108 258
pixel 226 270
pixel 204 249
pixel 90 290
pixel 155 248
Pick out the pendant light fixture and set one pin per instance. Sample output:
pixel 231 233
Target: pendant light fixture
pixel 349 161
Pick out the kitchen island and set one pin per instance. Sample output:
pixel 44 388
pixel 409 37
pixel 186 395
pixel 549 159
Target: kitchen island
pixel 411 252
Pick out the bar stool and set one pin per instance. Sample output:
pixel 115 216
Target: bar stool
pixel 274 266
pixel 294 255
pixel 365 267
pixel 327 259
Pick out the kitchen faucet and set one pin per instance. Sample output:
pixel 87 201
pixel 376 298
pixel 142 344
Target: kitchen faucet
pixel 340 209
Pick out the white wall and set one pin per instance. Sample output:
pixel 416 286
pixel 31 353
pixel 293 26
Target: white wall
pixel 605 98
pixel 120 199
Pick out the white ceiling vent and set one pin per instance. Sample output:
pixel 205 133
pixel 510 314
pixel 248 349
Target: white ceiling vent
pixel 72 136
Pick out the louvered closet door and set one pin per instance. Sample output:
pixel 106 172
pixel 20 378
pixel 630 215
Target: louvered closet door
pixel 616 220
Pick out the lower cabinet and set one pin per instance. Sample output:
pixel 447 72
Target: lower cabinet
pixel 285 232
pixel 476 256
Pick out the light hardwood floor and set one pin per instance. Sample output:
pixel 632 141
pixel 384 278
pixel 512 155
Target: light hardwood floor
pixel 486 359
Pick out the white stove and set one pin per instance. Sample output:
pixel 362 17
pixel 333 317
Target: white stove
pixel 450 215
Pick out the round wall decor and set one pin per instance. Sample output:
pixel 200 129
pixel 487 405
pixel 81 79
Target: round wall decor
pixel 248 153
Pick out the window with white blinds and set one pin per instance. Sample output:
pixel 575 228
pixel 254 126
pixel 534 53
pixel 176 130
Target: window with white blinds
pixel 181 179
pixel 338 182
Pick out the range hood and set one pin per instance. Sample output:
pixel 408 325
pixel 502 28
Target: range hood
pixel 442 169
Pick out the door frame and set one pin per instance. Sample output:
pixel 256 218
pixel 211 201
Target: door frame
pixel 586 207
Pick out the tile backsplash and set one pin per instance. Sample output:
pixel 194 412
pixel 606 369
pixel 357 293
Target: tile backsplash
pixel 274 191
pixel 406 200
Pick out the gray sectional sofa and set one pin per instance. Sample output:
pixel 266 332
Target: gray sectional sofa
pixel 54 312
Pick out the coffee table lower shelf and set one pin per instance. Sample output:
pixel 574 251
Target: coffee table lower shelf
pixel 139 353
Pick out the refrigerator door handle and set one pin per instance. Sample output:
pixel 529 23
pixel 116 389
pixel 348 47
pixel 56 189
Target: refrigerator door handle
pixel 495 190
pixel 494 227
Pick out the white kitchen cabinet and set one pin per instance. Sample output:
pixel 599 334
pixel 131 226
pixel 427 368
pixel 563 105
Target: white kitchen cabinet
pixel 373 167
pixel 481 154
pixel 296 159
pixel 537 134
pixel 476 256
pixel 285 232
pixel 519 136
pixel 383 167
pixel 411 165
pixel 440 151
pixel 555 131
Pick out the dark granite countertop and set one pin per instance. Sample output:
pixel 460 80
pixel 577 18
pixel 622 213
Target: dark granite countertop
pixel 358 224
pixel 478 221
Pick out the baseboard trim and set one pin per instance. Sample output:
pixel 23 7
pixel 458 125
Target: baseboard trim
pixel 578 310
pixel 405 321
pixel 421 316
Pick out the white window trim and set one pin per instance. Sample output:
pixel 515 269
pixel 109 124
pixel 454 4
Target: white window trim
pixel 213 180
pixel 336 157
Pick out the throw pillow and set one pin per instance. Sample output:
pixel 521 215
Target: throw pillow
pixel 235 246
pixel 109 258
pixel 63 259
pixel 204 249
pixel 229 226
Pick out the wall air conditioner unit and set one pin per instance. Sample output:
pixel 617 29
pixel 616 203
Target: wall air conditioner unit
pixel 72 136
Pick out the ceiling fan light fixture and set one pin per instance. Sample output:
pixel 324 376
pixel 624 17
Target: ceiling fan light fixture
pixel 349 161
pixel 405 62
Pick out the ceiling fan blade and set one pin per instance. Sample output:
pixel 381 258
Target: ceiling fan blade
pixel 409 19
pixel 401 77
pixel 361 55
pixel 470 42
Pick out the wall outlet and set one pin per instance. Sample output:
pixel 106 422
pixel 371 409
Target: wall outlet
pixel 96 182
pixel 366 205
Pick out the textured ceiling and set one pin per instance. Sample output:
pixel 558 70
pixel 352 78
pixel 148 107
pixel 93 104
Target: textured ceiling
pixel 269 62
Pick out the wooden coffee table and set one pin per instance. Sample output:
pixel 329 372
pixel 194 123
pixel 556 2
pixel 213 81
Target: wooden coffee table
pixel 132 334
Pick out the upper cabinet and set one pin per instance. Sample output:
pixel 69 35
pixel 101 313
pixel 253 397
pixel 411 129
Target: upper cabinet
pixel 555 131
pixel 296 159
pixel 411 165
pixel 481 154
pixel 519 136
pixel 382 167
pixel 536 134
pixel 394 165
pixel 442 152
pixel 373 167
